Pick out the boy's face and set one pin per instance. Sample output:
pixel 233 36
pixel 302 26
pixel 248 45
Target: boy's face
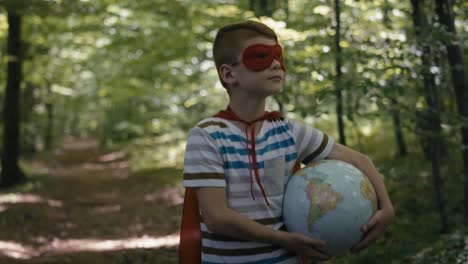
pixel 259 82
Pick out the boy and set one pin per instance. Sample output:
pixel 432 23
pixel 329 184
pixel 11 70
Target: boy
pixel 239 161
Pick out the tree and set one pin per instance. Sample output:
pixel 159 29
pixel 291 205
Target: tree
pixel 50 120
pixel 446 17
pixel 432 115
pixel 338 81
pixel 267 7
pixel 11 172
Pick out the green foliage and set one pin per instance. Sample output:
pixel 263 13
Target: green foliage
pixel 130 69
pixel 449 249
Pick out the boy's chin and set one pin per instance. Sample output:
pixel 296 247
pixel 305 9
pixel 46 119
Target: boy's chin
pixel 270 91
pixel 276 90
pixel 266 93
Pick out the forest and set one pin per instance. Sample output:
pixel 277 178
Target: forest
pixel 97 99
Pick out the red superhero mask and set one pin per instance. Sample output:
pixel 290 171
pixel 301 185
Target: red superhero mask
pixel 259 57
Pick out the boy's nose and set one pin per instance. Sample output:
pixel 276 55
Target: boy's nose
pixel 275 64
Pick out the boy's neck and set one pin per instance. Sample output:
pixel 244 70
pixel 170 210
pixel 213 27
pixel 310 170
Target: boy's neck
pixel 249 109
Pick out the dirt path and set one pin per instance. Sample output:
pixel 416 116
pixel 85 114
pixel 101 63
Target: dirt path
pixel 88 207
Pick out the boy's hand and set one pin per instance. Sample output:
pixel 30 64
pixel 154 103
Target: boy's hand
pixel 374 228
pixel 305 246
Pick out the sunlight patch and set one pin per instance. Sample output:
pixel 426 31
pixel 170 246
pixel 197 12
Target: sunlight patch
pixel 112 156
pixel 167 194
pixel 76 245
pixel 16 250
pixel 108 209
pixel 59 246
pixel 27 198
pixel 105 167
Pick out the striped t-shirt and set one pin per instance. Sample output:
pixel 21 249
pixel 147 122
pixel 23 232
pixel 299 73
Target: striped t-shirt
pixel 216 156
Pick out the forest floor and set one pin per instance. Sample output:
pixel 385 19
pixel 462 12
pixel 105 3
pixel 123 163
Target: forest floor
pixel 84 205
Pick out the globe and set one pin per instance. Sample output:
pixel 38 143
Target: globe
pixel 329 200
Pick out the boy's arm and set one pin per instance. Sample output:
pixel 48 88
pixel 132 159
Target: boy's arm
pixel 385 214
pixel 220 219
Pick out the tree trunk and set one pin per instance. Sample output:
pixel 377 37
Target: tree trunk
pixel 11 173
pixel 457 68
pixel 262 7
pixel 264 11
pixel 338 88
pixel 50 119
pixel 27 146
pixel 433 101
pixel 402 150
pixel 395 113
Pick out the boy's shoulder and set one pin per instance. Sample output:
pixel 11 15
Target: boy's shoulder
pixel 211 123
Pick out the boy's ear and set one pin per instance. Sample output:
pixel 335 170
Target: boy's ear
pixel 226 74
